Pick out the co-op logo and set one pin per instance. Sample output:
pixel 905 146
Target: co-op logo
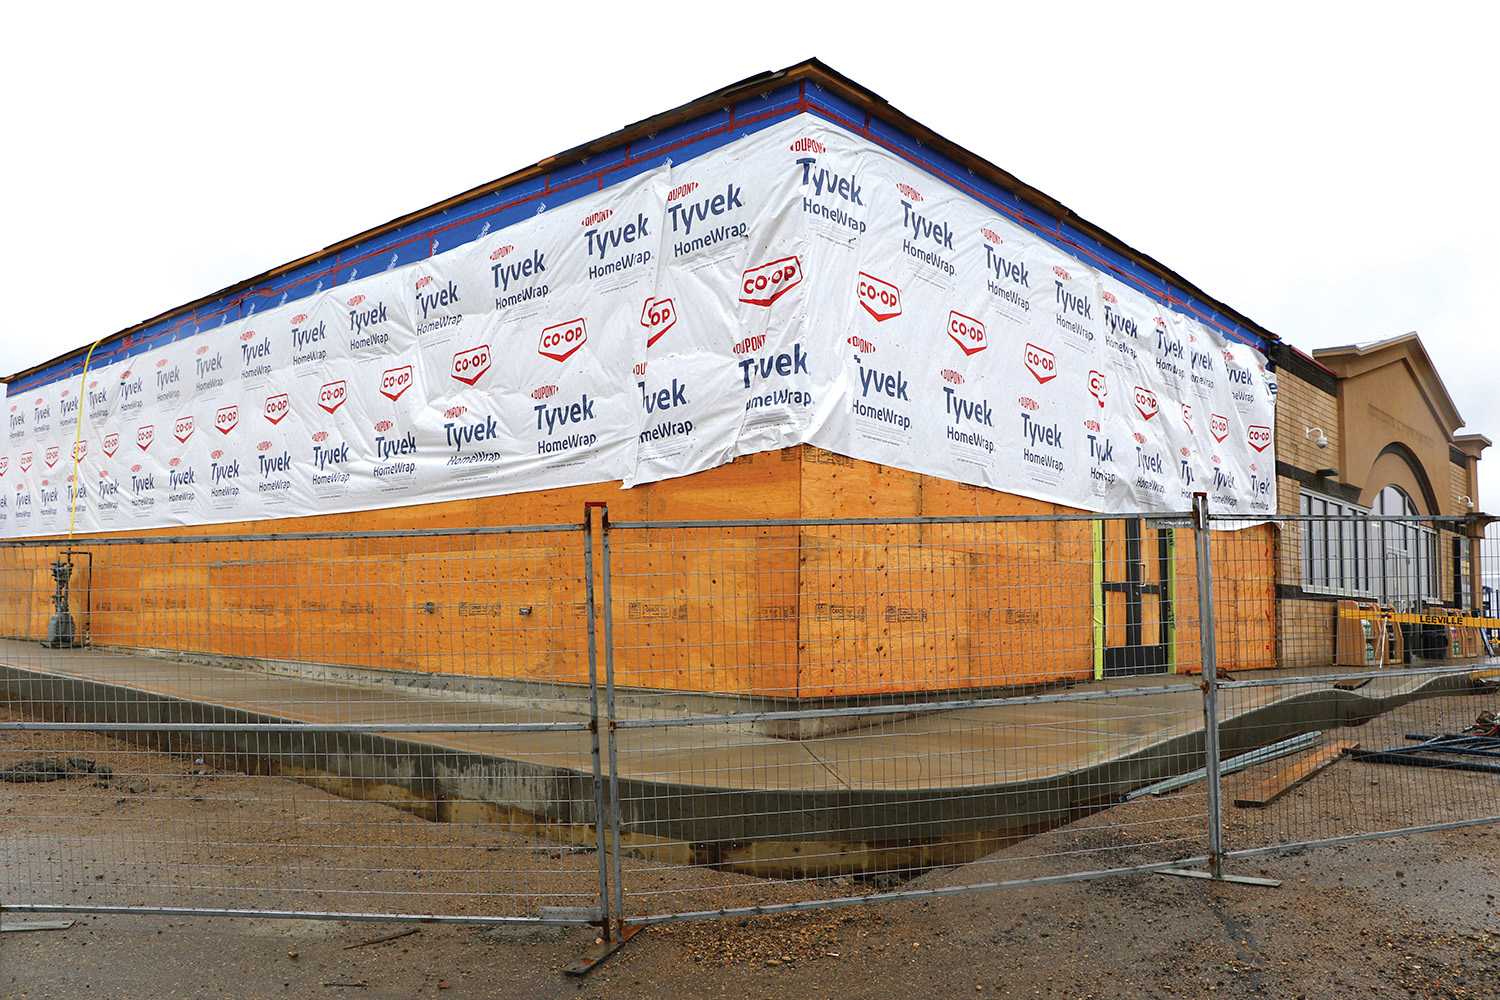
pixel 226 418
pixel 111 443
pixel 331 395
pixel 967 332
pixel 182 428
pixel 469 366
pixel 880 299
pixel 51 455
pixel 765 283
pixel 1258 436
pixel 1218 426
pixel 1098 387
pixel 658 316
pixel 1145 402
pixel 395 381
pixel 1041 363
pixel 277 407
pixel 144 435
pixel 560 340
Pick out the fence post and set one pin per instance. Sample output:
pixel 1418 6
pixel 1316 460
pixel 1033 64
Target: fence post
pixel 609 707
pixel 1208 646
pixel 593 647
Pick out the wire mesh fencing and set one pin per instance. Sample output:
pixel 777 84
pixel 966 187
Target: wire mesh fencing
pixel 1386 663
pixel 318 724
pixel 625 723
pixel 861 702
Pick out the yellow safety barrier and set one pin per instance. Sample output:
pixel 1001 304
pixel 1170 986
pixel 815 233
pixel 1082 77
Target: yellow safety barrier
pixel 1449 618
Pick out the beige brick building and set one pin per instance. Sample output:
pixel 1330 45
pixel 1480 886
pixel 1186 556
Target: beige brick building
pixel 1361 431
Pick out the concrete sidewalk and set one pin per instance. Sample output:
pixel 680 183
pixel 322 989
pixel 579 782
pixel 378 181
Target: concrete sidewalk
pixel 959 748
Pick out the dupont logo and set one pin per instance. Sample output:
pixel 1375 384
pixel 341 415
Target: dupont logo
pixel 136 467
pixel 182 428
pixel 1027 403
pixel 299 319
pixel 910 192
pixel 967 332
pixel 881 299
pixel 469 366
pixel 1259 436
pixel 1098 387
pixel 681 191
pixel 263 446
pixel 500 252
pixel 216 454
pixel 560 340
pixel 162 363
pixel 861 345
pixel 807 145
pixel 381 426
pixel 544 392
pixel 51 455
pixel 1139 437
pixel 247 336
pixel 424 281
pixel 1041 363
pixel 111 444
pixel 331 395
pixel 750 344
pixel 990 236
pixel 144 435
pixel 1228 355
pixel 202 350
pixel 320 437
pixel 395 381
pixel 25 462
pixel 176 461
pixel 1092 425
pixel 277 407
pixel 658 316
pixel 227 418
pixel 765 283
pixel 356 300
pixel 951 376
pixel 1145 402
pixel 1109 296
pixel 1218 426
pixel 455 411
pixel 594 218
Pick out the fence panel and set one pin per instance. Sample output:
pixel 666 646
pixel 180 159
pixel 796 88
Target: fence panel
pixel 379 723
pixel 813 712
pixel 1386 673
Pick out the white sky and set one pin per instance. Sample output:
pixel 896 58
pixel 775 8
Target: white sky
pixel 1331 173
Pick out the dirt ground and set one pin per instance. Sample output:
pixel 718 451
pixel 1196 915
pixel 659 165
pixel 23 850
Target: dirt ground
pixel 1406 917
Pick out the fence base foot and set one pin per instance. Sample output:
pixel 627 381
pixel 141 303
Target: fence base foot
pixel 598 954
pixel 1269 883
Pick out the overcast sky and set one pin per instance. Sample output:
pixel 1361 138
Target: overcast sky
pixel 1329 173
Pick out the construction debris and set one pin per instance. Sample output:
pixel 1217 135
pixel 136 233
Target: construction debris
pixel 1274 786
pixel 1284 748
pixel 53 769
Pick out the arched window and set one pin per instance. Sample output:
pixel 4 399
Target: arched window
pixel 1407 554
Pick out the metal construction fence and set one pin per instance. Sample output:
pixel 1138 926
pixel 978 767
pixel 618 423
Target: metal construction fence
pixel 627 723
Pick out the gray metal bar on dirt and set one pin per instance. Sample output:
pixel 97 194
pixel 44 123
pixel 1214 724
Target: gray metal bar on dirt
pixel 1273 751
pixel 1352 838
pixel 609 707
